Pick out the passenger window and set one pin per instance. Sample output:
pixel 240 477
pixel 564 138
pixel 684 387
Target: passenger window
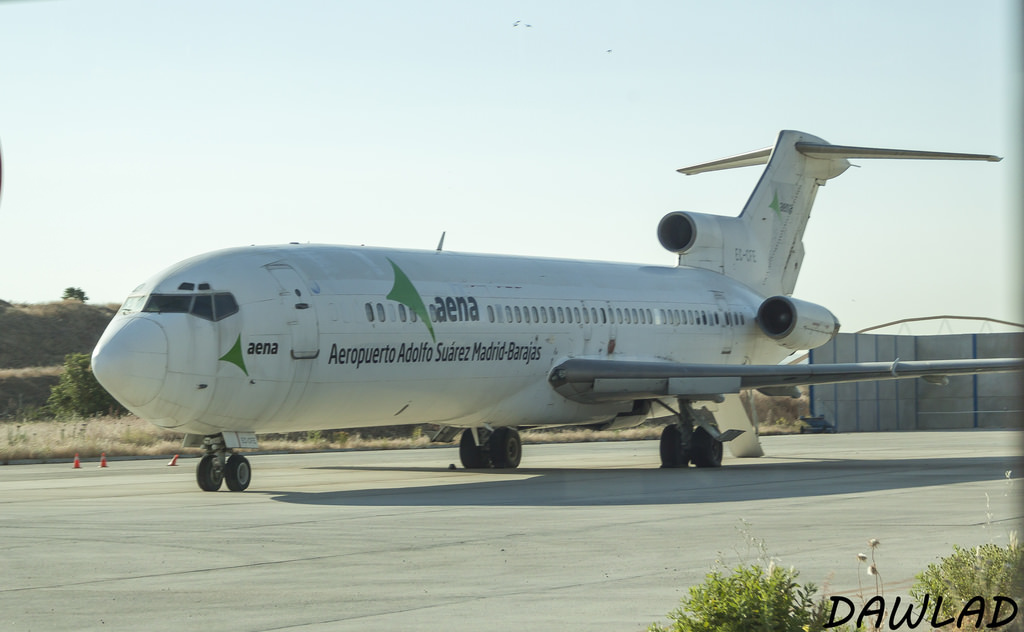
pixel 508 314
pixel 534 311
pixel 586 316
pixel 401 312
pixel 526 314
pixel 576 313
pixel 544 314
pixel 519 314
pixel 490 313
pixel 561 315
pixel 369 312
pixel 380 312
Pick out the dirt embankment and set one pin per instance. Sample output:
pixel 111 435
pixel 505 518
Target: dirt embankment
pixel 33 342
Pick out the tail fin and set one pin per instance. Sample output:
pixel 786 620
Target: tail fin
pixel 775 215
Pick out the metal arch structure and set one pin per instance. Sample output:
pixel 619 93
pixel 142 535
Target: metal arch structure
pixel 918 319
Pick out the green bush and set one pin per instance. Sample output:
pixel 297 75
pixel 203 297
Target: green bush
pixel 983 571
pixel 749 599
pixel 78 394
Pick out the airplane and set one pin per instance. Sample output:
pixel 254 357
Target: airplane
pixel 268 339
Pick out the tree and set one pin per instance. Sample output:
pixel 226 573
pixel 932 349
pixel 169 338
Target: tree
pixel 75 293
pixel 78 394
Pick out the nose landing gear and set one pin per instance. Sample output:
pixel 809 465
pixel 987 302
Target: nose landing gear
pixel 220 465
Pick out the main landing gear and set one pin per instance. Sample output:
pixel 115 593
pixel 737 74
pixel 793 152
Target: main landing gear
pixel 693 438
pixel 480 448
pixel 220 465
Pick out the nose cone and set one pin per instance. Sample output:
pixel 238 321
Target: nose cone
pixel 130 361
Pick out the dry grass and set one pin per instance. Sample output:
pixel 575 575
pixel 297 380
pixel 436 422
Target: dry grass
pixel 31 372
pixel 131 436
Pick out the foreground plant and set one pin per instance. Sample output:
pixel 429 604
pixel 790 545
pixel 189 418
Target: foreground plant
pixel 972 578
pixel 750 598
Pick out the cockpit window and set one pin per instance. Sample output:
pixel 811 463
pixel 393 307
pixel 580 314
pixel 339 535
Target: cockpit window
pixel 168 303
pixel 133 304
pixel 202 306
pixel 217 306
pixel 224 305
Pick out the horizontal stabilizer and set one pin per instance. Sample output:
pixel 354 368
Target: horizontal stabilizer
pixel 749 159
pixel 827 151
pixel 818 150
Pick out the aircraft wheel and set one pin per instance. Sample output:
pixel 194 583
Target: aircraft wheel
pixel 237 473
pixel 672 452
pixel 707 451
pixel 506 448
pixel 208 473
pixel 471 455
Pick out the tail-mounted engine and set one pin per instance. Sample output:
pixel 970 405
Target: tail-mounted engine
pixel 712 242
pixel 796 324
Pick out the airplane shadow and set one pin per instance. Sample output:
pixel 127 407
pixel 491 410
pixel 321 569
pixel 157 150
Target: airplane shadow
pixel 762 480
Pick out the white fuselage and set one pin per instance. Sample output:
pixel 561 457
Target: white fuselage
pixel 323 337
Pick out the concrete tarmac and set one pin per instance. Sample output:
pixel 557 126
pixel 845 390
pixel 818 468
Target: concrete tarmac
pixel 583 537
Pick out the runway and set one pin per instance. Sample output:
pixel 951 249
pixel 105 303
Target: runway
pixel 583 537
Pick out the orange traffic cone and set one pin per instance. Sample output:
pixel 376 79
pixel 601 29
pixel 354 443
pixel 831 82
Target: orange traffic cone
pixel 174 461
pixel 103 459
pixel 78 463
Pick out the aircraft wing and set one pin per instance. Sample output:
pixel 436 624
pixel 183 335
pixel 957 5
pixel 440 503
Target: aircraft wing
pixel 597 380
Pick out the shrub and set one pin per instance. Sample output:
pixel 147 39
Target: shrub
pixel 78 394
pixel 983 571
pixel 750 598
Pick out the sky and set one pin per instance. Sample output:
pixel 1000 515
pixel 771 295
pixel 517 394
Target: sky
pixel 137 134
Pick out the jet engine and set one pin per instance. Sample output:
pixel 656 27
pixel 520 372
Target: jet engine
pixel 678 232
pixel 796 324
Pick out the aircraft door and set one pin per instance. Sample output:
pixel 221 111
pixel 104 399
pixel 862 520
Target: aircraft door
pixel 726 327
pixel 299 311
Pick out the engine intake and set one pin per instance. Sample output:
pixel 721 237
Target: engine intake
pixel 796 324
pixel 679 232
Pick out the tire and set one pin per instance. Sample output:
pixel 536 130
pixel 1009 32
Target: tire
pixel 471 455
pixel 237 473
pixel 707 451
pixel 208 473
pixel 672 453
pixel 506 448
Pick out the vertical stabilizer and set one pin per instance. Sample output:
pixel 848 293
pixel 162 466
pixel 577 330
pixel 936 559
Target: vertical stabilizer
pixel 776 213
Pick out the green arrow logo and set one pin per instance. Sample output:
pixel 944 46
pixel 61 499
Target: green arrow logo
pixel 775 205
pixel 405 293
pixel 234 355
